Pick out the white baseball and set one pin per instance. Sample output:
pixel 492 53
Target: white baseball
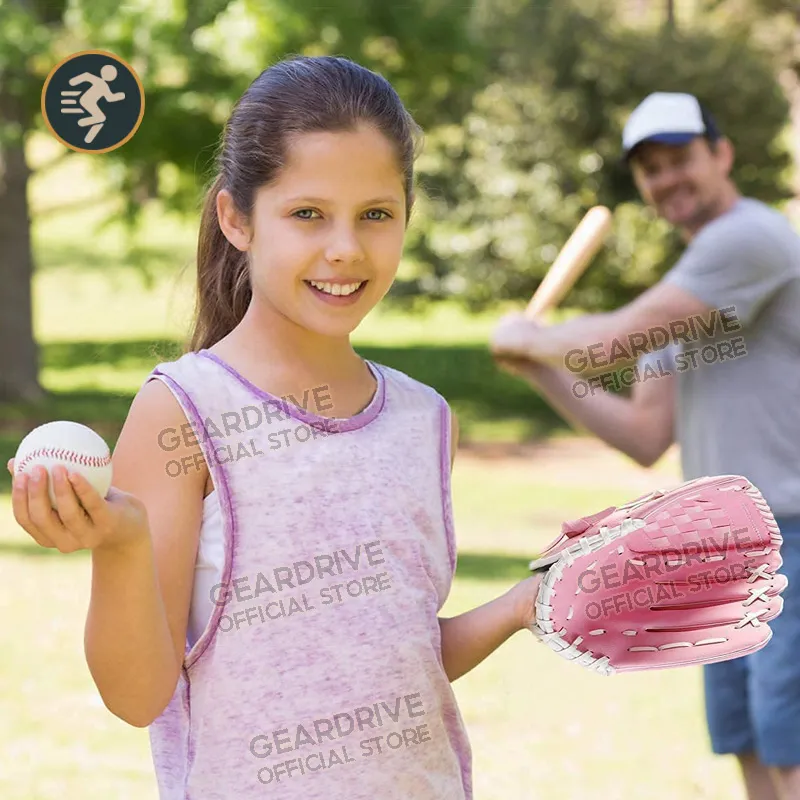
pixel 70 444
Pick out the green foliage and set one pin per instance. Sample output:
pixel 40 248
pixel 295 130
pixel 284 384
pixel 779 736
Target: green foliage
pixel 196 57
pixel 753 8
pixel 522 102
pixel 425 48
pixel 541 145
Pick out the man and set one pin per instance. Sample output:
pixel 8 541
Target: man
pixel 726 388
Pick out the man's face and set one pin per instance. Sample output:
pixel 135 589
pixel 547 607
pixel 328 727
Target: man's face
pixel 684 184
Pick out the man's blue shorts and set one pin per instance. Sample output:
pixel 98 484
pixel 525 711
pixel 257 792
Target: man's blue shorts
pixel 753 702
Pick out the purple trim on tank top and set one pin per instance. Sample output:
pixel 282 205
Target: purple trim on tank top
pixel 446 439
pixel 229 521
pixel 229 528
pixel 328 424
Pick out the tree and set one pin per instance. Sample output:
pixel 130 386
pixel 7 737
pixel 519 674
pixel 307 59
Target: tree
pixel 34 35
pixel 194 58
pixel 776 25
pixel 25 29
pixel 541 145
pixel 670 22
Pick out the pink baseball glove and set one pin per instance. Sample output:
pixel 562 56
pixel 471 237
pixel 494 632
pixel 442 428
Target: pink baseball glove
pixel 674 578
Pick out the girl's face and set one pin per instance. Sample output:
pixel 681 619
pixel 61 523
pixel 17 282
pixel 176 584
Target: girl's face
pixel 326 238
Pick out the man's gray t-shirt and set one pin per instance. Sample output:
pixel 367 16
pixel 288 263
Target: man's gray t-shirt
pixel 738 388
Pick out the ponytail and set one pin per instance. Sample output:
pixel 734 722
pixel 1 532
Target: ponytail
pixel 223 279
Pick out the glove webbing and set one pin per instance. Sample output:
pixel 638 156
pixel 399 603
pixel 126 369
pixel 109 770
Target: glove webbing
pixel 544 631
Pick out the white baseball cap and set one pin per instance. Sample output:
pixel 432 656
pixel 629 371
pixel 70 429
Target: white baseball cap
pixel 667 117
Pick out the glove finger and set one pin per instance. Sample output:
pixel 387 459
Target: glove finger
pixel 720 566
pixel 704 617
pixel 782 581
pixel 635 611
pixel 678 650
pixel 648 650
pixel 601 593
pixel 740 593
pixel 685 647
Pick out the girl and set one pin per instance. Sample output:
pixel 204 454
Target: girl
pixel 268 569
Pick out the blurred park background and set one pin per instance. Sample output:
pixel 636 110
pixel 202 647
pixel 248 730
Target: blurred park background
pixel 522 102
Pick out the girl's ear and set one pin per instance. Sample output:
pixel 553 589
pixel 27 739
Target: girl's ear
pixel 232 223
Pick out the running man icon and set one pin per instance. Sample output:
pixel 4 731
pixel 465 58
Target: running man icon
pixel 81 88
pixel 89 98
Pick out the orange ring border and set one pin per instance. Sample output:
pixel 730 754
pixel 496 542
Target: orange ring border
pixel 119 61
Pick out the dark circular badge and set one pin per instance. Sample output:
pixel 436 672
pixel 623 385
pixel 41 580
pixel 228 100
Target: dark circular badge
pixel 93 101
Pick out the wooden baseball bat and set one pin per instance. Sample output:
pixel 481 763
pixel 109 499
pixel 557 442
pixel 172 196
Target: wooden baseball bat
pixel 572 260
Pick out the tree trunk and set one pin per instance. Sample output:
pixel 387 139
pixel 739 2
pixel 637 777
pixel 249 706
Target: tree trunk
pixel 790 82
pixel 671 15
pixel 19 361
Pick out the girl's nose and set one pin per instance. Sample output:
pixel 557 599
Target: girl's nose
pixel 344 247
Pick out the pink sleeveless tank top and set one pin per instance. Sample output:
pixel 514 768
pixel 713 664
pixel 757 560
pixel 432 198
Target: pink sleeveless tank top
pixel 319 675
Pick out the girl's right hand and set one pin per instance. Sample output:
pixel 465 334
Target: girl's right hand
pixel 83 519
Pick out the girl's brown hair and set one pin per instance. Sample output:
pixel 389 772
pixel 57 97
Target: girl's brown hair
pixel 295 96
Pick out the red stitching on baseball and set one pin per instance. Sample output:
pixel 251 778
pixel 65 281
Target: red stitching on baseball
pixel 63 455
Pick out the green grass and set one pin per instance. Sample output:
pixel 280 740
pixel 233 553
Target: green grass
pixel 539 727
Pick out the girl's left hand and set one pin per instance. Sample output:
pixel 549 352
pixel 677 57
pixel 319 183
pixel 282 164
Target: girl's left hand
pixel 524 597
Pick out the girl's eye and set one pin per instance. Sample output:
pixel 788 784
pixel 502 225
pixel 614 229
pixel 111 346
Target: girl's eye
pixel 378 211
pixel 304 213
